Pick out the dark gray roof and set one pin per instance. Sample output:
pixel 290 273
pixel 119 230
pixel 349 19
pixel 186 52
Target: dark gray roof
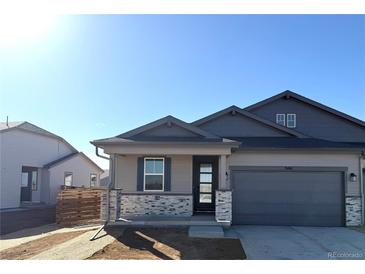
pixel 299 97
pixel 293 143
pixel 167 120
pixel 55 162
pixel 134 137
pixel 70 156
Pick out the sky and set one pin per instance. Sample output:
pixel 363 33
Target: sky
pixel 86 77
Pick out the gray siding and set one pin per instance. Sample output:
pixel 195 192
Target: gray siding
pixel 302 159
pixel 229 125
pixel 313 121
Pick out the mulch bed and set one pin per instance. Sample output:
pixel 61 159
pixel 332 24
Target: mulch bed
pixel 169 244
pixel 32 248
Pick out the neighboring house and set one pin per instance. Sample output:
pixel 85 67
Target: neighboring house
pixel 284 161
pixel 35 163
pixel 104 178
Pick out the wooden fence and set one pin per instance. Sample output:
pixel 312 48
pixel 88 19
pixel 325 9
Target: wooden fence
pixel 78 206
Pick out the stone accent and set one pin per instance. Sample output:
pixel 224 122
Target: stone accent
pixel 156 204
pixel 353 211
pixel 103 206
pixel 115 201
pixel 223 206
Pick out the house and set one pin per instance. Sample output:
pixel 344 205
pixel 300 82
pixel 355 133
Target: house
pixel 35 163
pixel 104 178
pixel 287 160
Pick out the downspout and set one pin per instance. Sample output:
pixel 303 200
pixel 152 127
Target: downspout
pixel 362 155
pixel 108 187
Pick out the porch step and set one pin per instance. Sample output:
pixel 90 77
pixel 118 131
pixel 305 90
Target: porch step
pixel 203 231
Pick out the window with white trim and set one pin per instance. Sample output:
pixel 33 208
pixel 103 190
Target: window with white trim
pixel 68 179
pixel 154 174
pixel 93 179
pixel 280 119
pixel 291 120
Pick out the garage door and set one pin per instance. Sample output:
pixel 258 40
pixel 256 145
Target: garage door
pixel 267 197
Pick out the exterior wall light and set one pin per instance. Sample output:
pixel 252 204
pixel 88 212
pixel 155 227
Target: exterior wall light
pixel 353 177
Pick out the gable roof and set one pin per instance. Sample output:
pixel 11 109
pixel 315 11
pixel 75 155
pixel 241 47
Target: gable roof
pixel 245 113
pixel 290 94
pixel 29 127
pixel 168 120
pixel 70 156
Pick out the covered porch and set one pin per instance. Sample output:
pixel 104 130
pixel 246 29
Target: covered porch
pixel 196 188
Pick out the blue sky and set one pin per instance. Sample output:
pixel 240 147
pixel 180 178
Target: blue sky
pixel 95 76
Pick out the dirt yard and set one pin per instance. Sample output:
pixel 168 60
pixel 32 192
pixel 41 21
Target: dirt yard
pixel 29 249
pixel 359 228
pixel 168 244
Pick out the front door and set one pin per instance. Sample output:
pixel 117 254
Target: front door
pixel 29 178
pixel 205 182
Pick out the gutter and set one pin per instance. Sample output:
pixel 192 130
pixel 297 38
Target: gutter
pixel 362 183
pixel 108 187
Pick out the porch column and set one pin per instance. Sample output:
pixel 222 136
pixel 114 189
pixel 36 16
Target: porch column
pixel 223 200
pixel 223 178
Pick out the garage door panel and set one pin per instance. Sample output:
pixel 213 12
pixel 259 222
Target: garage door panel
pixel 288 198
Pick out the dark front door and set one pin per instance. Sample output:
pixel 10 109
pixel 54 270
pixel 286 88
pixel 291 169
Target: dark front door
pixel 205 182
pixel 29 177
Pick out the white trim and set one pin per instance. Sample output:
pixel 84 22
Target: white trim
pixel 145 173
pixel 295 120
pixel 277 120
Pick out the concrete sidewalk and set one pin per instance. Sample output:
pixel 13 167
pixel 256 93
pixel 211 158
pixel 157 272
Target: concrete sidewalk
pixel 30 234
pixel 80 247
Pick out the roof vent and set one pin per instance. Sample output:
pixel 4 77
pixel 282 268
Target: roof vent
pixel 169 124
pixel 233 112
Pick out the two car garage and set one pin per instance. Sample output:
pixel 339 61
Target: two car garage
pixel 300 196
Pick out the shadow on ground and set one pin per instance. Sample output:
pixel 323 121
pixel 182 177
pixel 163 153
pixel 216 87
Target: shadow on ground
pixel 168 244
pixel 11 221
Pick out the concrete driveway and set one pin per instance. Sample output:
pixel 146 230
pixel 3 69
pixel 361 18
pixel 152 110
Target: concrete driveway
pixel 292 242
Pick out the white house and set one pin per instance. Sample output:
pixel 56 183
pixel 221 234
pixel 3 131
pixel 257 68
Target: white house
pixel 35 163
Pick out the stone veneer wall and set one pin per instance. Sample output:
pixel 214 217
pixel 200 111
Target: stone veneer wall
pixel 103 206
pixel 156 204
pixel 223 206
pixel 353 211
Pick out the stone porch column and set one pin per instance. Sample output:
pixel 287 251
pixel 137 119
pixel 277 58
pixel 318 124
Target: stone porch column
pixel 223 195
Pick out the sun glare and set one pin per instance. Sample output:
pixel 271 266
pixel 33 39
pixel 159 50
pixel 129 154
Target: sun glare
pixel 19 29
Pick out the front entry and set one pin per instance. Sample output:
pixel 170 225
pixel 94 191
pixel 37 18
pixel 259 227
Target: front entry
pixel 29 182
pixel 205 182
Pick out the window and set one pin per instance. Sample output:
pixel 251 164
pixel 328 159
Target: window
pixel 205 183
pixel 24 179
pixel 291 120
pixel 92 179
pixel 280 119
pixel 68 179
pixel 34 181
pixel 153 174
